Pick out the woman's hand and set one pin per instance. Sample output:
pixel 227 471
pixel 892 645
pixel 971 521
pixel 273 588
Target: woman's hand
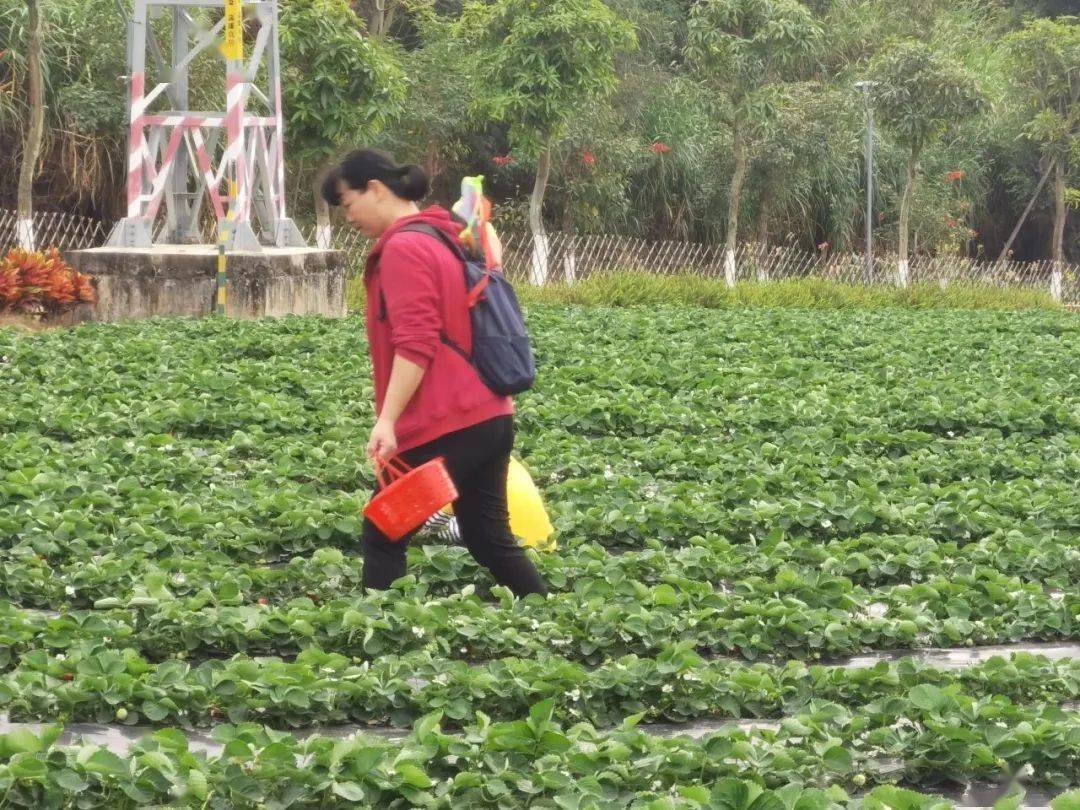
pixel 495 248
pixel 383 441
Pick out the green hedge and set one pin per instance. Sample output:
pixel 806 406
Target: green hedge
pixel 646 289
pixel 622 289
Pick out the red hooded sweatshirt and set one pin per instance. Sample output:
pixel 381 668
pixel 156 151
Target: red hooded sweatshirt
pixel 423 286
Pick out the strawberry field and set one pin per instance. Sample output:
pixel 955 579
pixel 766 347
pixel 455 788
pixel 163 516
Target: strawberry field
pixel 806 560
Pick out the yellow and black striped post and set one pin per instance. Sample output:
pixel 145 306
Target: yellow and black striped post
pixel 223 238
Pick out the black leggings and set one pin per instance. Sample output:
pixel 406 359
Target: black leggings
pixel 477 458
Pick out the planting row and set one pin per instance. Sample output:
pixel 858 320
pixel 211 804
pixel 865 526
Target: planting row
pixel 259 523
pixel 815 760
pixel 73 581
pixel 95 682
pixel 750 370
pixel 789 616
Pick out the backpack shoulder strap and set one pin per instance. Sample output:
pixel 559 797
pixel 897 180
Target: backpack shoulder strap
pixel 436 233
pixel 441 235
pixel 472 295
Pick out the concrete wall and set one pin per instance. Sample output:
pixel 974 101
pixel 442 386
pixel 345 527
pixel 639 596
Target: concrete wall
pixel 182 280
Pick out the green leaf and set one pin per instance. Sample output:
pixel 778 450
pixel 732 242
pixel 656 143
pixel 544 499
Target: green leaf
pixel 413 776
pixel 929 698
pixel 664 595
pixel 838 759
pixel 28 766
pixel 105 763
pixel 350 791
pixel 70 781
pixel 20 740
pixel 1066 801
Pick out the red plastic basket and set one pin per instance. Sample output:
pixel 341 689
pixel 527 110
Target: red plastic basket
pixel 409 496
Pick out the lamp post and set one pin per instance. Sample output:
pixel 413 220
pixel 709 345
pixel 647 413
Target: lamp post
pixel 866 87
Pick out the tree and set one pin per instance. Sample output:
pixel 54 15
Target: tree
pixel 1046 68
pixel 811 181
pixel 340 88
pixel 537 64
pixel 920 95
pixel 746 50
pixel 35 127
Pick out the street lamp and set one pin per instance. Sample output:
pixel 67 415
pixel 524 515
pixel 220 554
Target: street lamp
pixel 866 87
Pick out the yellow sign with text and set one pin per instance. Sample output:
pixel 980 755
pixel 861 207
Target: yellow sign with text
pixel 234 30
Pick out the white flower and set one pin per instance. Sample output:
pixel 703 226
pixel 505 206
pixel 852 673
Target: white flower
pixel 574 694
pixel 418 632
pixel 667 688
pixel 61 657
pixel 657 785
pixel 534 624
pixel 70 591
pixel 464 650
pixel 608 474
pixel 826 523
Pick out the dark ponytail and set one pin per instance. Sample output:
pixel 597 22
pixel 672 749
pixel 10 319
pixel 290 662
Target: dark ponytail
pixel 364 165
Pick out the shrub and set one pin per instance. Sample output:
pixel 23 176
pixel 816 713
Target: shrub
pixel 41 283
pixel 646 289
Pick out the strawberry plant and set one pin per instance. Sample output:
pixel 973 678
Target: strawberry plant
pixel 742 497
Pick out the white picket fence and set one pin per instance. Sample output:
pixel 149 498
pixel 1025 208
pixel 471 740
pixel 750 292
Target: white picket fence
pixel 572 257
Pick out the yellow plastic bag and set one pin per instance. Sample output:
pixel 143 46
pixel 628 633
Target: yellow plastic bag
pixel 528 519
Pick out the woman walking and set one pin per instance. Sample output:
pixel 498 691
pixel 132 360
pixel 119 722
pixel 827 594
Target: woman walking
pixel 429 399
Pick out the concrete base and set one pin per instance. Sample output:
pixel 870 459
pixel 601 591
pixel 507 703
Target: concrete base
pixel 182 280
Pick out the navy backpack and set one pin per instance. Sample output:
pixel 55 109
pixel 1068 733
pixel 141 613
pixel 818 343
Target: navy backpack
pixel 501 350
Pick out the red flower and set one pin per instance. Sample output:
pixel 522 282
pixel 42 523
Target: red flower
pixel 954 176
pixel 588 158
pixel 659 148
pixel 950 222
pixel 68 676
pixel 502 160
pixel 823 246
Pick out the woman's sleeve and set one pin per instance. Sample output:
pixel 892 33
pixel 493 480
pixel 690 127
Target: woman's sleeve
pixel 410 285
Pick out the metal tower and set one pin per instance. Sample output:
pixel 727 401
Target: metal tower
pixel 183 158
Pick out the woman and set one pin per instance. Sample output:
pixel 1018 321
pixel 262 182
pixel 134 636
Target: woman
pixel 429 400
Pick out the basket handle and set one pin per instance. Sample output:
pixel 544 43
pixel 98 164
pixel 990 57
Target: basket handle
pixel 387 470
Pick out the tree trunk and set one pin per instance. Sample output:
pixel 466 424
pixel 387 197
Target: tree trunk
pixel 738 146
pixel 1057 245
pixel 431 158
pixel 569 251
pixel 1027 210
pixel 32 142
pixel 539 274
pixel 763 237
pixel 378 19
pixel 905 214
pixel 323 231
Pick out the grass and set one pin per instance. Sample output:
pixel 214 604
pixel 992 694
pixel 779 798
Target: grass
pixel 644 289
pixel 622 289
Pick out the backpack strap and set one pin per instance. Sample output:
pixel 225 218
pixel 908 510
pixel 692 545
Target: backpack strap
pixel 473 295
pixel 441 235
